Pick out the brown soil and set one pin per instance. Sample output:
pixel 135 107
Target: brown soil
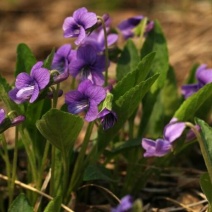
pixel 186 24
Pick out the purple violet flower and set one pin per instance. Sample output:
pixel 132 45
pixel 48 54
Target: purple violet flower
pixel 96 38
pixel 108 118
pixel 162 146
pixel 61 61
pixel 203 76
pixel 77 25
pixel 86 98
pixel 88 64
pixel 157 148
pixel 126 27
pixel 125 205
pixel 28 87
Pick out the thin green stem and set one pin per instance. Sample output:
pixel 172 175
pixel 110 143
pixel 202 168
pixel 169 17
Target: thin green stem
pixel 30 154
pixel 7 160
pixel 73 83
pixel 55 95
pixel 53 150
pixel 52 170
pixel 43 162
pixel 80 163
pixel 202 147
pixel 14 166
pixel 106 49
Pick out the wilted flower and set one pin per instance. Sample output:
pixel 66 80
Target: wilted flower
pixel 125 205
pixel 85 98
pixel 77 25
pixel 108 118
pixel 60 62
pixel 203 76
pixel 28 87
pixel 88 64
pixel 162 146
pixel 126 27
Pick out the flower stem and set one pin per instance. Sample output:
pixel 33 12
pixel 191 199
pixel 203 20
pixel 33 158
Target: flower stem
pixel 55 95
pixel 7 162
pixel 80 163
pixel 202 147
pixel 53 170
pixel 14 166
pixel 106 49
pixel 43 162
pixel 53 150
pixel 30 154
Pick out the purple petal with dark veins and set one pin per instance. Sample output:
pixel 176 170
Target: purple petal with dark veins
pixel 92 112
pixel 70 28
pixel 41 76
pixel 23 80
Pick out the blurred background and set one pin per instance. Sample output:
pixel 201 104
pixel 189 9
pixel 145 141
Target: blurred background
pixel 187 25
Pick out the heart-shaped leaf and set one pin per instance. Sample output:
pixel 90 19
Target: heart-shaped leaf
pixel 60 128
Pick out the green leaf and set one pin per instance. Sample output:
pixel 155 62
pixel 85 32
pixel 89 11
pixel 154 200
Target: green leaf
pixel 205 143
pixel 169 94
pixel 156 42
pixel 54 205
pixel 128 60
pixel 20 204
pixel 48 60
pixel 189 107
pixel 25 59
pixel 123 146
pixel 60 128
pixel 33 113
pixel 124 106
pixel 97 172
pixel 206 187
pixel 165 105
pixel 135 77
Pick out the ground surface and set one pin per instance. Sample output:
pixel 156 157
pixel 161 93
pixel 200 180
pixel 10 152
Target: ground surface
pixel 187 25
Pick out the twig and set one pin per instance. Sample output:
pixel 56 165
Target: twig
pixel 104 189
pixel 43 188
pixel 23 185
pixel 178 203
